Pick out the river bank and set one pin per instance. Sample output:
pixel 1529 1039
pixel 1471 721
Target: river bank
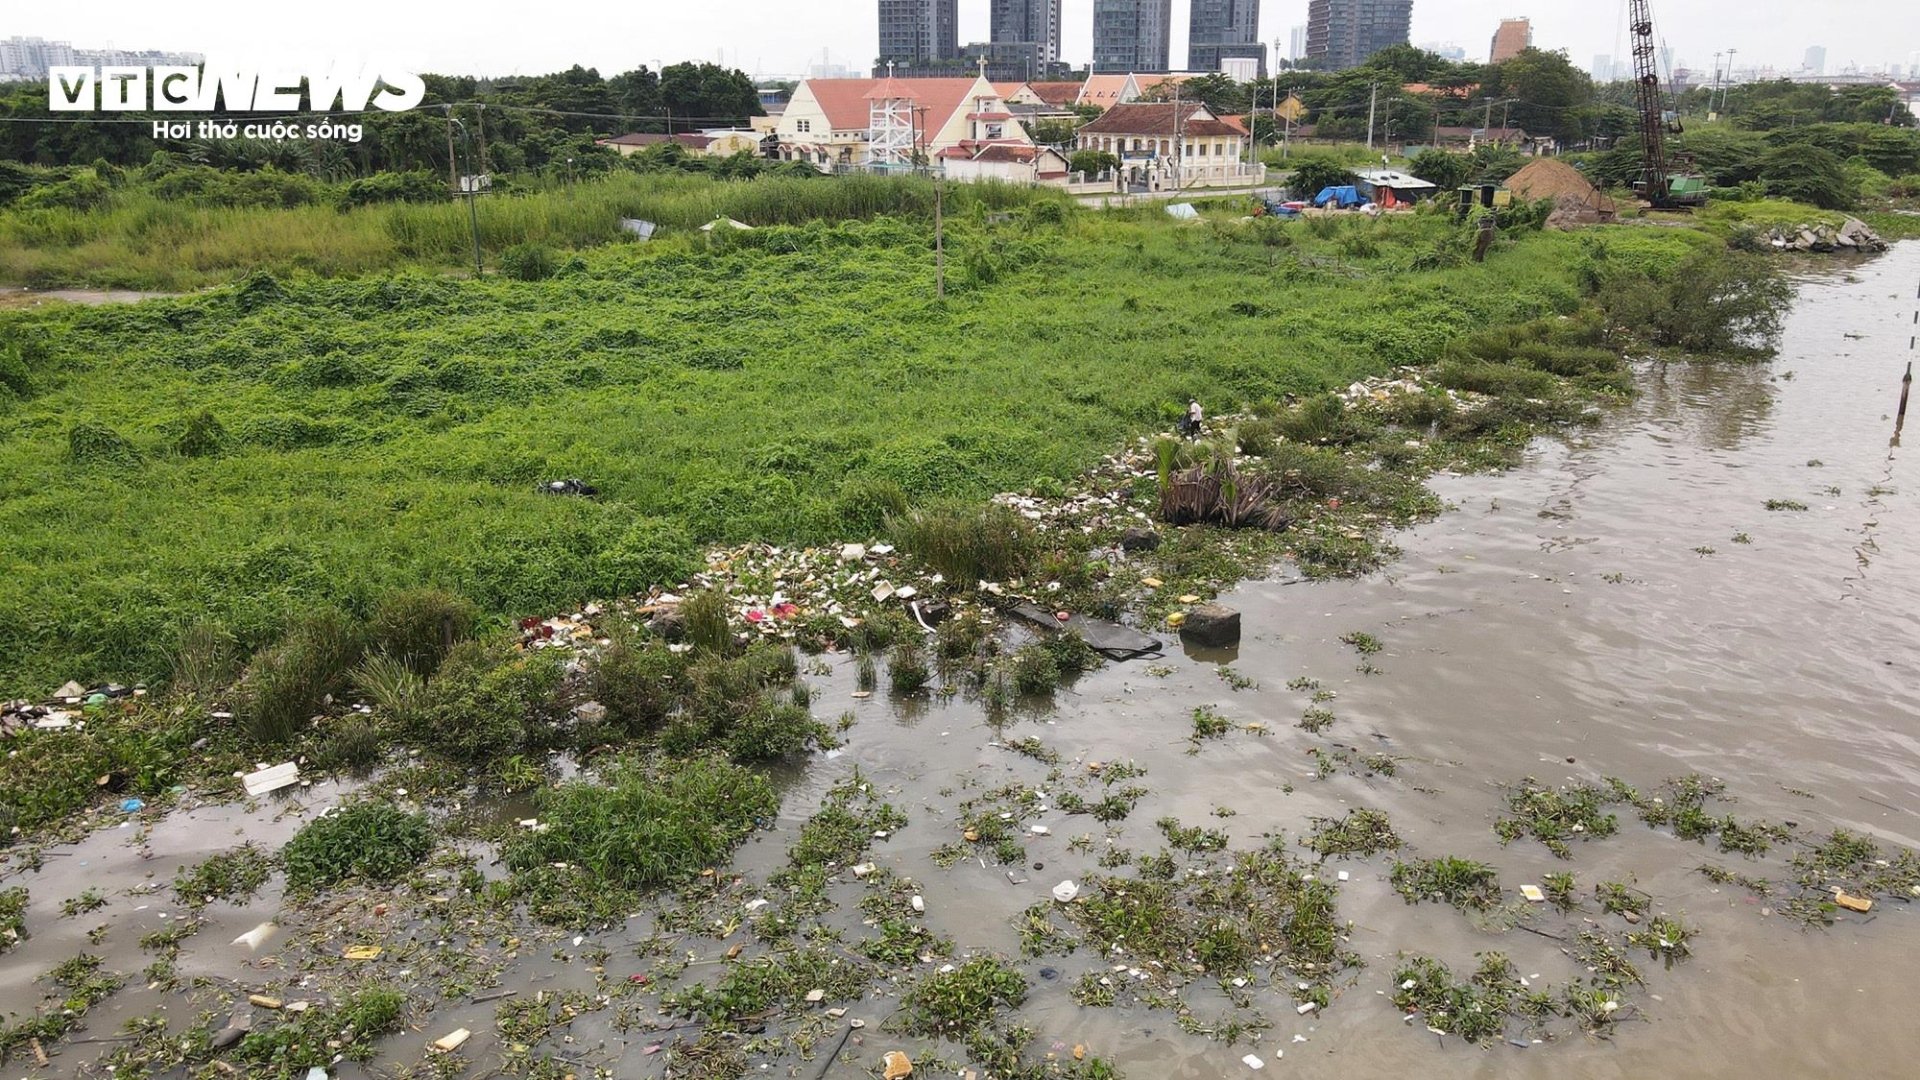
pixel 1623 606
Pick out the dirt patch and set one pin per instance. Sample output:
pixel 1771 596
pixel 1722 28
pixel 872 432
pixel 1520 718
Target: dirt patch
pixel 1576 201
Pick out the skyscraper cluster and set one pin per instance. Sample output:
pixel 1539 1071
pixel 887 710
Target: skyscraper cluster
pixel 1128 35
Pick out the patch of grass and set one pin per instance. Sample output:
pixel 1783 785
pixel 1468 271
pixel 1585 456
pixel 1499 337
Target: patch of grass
pixel 1208 724
pixel 373 841
pixel 1618 899
pixel 1555 815
pixel 1360 833
pixel 1792 505
pixel 1362 642
pixel 955 1004
pixel 1665 939
pixel 230 876
pixel 1228 911
pixel 1461 882
pixel 644 823
pixel 907 670
pixel 296 1042
pixel 489 701
pixel 89 900
pixel 968 543
pixel 13 917
pixel 753 987
pixel 1191 839
pixel 1559 890
pixel 1316 719
pixel 1477 1008
pixel 79 984
pixel 285 685
pixel 1031 747
pixel 705 612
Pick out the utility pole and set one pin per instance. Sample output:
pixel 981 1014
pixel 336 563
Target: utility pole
pixel 453 168
pixel 473 194
pixel 1726 93
pixel 483 139
pixel 1373 100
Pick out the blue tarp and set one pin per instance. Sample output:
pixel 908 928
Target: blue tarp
pixel 1342 197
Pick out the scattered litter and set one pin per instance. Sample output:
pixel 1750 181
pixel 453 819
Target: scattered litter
pixel 864 869
pixel 1851 902
pixel 815 996
pixel 1305 1007
pixel 1038 830
pixel 273 778
pixel 756 905
pixel 1252 1061
pixel 1065 892
pixel 362 952
pixel 132 806
pixel 896 1066
pixel 452 1040
pixel 263 1001
pixel 1343 875
pixel 256 937
pixel 919 905
pixel 1533 894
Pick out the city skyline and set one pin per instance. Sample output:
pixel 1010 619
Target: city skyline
pixel 781 37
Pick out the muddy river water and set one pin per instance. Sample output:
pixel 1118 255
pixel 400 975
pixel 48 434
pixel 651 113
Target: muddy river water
pixel 1587 615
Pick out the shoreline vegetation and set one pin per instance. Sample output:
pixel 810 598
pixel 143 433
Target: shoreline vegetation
pixel 307 513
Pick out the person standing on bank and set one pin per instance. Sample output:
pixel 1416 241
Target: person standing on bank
pixel 1196 416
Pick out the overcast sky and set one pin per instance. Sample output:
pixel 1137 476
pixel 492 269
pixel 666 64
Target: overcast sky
pixel 493 37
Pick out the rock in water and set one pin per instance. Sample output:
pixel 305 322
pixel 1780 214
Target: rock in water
pixel 1139 540
pixel 1213 625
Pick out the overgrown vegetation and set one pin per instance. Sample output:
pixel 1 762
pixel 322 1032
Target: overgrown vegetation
pixel 370 840
pixel 420 396
pixel 641 824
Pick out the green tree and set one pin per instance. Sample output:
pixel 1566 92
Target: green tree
pixel 708 95
pixel 1809 174
pixel 1548 93
pixel 1315 174
pixel 1441 168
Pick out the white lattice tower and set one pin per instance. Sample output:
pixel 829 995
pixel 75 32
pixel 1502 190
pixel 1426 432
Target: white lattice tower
pixel 890 126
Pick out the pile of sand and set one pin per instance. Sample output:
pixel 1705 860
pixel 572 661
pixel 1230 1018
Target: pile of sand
pixel 1575 199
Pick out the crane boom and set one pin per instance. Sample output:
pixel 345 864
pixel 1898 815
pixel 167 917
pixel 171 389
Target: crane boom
pixel 1653 113
pixel 1658 185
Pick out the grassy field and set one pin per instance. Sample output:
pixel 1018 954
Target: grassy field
pixel 140 240
pixel 248 453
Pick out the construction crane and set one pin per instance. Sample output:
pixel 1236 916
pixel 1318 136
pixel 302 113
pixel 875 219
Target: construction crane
pixel 1658 183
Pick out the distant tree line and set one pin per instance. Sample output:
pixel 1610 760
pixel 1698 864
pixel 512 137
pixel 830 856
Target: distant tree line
pixel 517 124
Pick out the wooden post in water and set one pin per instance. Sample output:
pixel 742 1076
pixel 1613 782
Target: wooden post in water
pixel 1906 389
